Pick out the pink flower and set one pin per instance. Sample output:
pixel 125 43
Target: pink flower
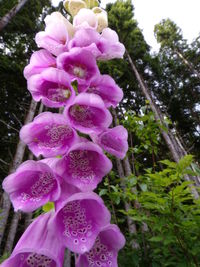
pixel 87 39
pixel 80 65
pixel 52 87
pixel 39 61
pixel 79 221
pixel 48 135
pixel 88 114
pixel 104 252
pixel 38 246
pixel 113 141
pixel 31 186
pixel 57 33
pixel 110 46
pixel 107 89
pixel 104 46
pixel 84 166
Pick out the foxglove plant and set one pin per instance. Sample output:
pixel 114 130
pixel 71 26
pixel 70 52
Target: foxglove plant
pixel 64 74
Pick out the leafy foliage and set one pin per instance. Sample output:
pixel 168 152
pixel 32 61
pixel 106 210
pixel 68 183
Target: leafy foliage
pixel 163 208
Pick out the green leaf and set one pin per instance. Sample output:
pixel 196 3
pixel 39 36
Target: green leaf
pixel 185 162
pixel 143 187
pixel 169 163
pixel 103 192
pixel 156 239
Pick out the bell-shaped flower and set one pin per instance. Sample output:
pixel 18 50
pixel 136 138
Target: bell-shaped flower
pixel 48 135
pixel 102 18
pixel 58 32
pixel 40 60
pixel 85 18
pixel 110 46
pixel 31 186
pixel 80 64
pixel 39 246
pixel 88 114
pixel 113 141
pixel 107 89
pixel 73 6
pixel 104 46
pixel 87 39
pixel 105 250
pixel 52 87
pixel 79 221
pixel 84 166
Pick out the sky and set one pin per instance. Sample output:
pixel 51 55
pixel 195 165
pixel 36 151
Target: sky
pixel 150 12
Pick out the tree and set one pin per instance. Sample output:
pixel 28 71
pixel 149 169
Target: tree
pixel 168 34
pixel 178 82
pixel 15 99
pixel 7 18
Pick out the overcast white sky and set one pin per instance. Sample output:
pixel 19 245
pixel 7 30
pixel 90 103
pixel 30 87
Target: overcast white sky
pixel 186 14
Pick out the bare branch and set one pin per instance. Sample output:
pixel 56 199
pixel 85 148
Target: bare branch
pixel 9 126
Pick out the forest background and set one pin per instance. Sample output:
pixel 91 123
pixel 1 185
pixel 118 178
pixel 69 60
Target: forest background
pixel 153 194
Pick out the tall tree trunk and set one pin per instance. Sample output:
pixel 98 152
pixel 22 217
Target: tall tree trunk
pixel 67 259
pixel 174 146
pixel 131 225
pixel 19 154
pixel 28 218
pixel 187 63
pixel 7 18
pixel 12 232
pixel 17 215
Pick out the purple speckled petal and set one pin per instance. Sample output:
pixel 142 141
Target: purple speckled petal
pixel 107 89
pixel 31 186
pixel 104 252
pixel 48 135
pixel 39 61
pixel 113 140
pixel 84 166
pixel 80 65
pixel 52 87
pixel 88 114
pixel 80 220
pixel 57 33
pixel 38 246
pixel 67 189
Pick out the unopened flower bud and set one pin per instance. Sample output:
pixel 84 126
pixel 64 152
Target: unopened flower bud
pixel 73 6
pixel 101 17
pixel 92 3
